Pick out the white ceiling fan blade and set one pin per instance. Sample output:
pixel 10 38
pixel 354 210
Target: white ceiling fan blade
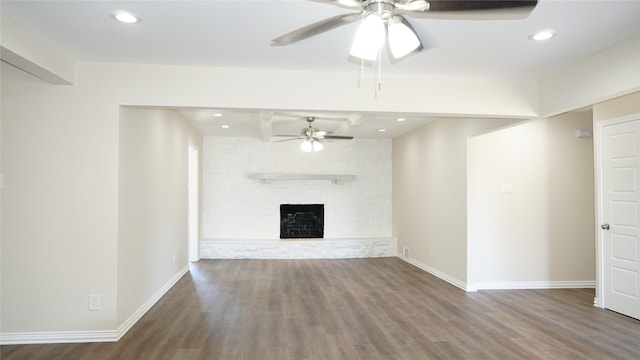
pixel 289 139
pixel 315 29
pixel 338 137
pixel 473 9
pixel 347 4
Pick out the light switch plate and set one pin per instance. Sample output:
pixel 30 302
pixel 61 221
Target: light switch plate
pixel 506 188
pixel 94 302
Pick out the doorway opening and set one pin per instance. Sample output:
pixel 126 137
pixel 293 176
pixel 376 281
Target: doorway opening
pixel 193 205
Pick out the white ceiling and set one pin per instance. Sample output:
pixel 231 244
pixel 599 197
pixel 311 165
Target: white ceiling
pixel 237 33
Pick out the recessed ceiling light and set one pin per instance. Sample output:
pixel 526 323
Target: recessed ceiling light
pixel 382 130
pixel 542 35
pixel 225 126
pixel 125 17
pixel 400 119
pixel 217 114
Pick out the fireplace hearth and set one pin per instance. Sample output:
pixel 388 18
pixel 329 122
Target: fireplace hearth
pixel 301 221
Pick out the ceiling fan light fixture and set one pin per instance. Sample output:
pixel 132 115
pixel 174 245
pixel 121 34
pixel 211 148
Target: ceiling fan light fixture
pixel 306 146
pixel 369 38
pixel 311 145
pixel 402 38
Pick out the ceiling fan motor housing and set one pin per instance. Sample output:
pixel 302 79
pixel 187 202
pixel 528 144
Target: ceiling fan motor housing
pixel 384 9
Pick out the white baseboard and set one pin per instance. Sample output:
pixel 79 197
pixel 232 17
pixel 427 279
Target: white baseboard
pixel 54 337
pixel 513 285
pixel 133 319
pixel 597 302
pixel 437 273
pixel 501 285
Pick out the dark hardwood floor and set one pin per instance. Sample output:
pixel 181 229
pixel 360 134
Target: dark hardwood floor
pixel 355 309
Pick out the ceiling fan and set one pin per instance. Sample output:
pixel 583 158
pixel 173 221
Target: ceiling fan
pixel 385 19
pixel 312 137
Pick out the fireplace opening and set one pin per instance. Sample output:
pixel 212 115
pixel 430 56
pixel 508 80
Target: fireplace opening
pixel 301 221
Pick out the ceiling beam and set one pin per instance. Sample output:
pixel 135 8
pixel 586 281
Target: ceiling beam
pixel 266 125
pixel 348 127
pixel 31 54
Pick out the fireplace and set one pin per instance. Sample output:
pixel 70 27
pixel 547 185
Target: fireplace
pixel 301 221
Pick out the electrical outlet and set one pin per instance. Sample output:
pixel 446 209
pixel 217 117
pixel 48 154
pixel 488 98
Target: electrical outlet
pixel 405 251
pixel 94 302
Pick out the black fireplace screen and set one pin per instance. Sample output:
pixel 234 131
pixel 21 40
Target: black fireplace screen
pixel 301 221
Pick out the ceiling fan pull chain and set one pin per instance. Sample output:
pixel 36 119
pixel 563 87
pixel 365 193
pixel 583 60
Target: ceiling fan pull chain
pixel 379 71
pixel 361 75
pixel 378 80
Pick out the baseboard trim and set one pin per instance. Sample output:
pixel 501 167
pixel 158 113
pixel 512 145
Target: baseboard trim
pixel 133 319
pixel 437 273
pixel 57 337
pixel 514 285
pixel 597 302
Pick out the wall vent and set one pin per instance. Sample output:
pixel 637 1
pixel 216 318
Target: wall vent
pixel 405 251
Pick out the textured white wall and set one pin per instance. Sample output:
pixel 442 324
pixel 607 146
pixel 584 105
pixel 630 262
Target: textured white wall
pixel 236 207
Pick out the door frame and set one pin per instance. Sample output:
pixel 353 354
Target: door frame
pixel 193 203
pixel 599 299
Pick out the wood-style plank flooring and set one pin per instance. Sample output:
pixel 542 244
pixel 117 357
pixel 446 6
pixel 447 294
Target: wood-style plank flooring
pixel 355 309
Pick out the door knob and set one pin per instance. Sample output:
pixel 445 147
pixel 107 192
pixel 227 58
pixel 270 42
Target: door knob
pixel 605 226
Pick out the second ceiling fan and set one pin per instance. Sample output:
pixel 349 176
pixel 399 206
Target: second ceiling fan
pixel 312 137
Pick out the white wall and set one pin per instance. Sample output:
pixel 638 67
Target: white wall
pixel 236 207
pixel 542 233
pixel 429 193
pixel 618 107
pixel 59 206
pixel 152 203
pixel 602 76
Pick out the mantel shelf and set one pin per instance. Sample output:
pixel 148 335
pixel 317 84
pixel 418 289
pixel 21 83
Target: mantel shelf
pixel 332 177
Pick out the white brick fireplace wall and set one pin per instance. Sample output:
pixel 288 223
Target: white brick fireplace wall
pixel 241 217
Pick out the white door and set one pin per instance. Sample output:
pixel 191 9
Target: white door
pixel 620 174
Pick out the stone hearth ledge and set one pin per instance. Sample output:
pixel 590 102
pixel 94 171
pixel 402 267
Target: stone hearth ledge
pixel 297 248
